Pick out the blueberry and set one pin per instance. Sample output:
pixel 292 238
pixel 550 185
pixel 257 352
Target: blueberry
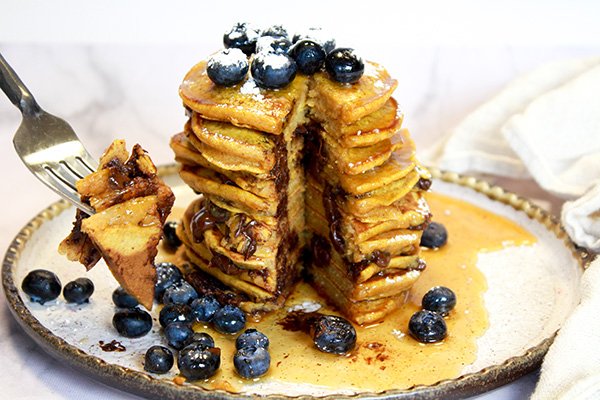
pixel 175 313
pixel 170 238
pixel 434 236
pixel 196 361
pixel 132 323
pixel 241 36
pixel 227 67
pixel 252 337
pixel 229 319
pixel 439 299
pixel 427 326
pixel 178 334
pixel 78 291
pixel 204 308
pixel 276 31
pixel 201 338
pixel 41 285
pixel 158 360
pixel 252 362
pixel 166 275
pixel 180 293
pixel 273 71
pixel 269 44
pixel 309 56
pixel 344 66
pixel 123 299
pixel 317 35
pixel 333 334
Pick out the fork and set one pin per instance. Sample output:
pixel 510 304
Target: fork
pixel 46 144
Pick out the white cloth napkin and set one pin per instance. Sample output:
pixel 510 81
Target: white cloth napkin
pixel 546 126
pixel 571 369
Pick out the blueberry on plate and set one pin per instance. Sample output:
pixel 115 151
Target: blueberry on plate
pixel 344 66
pixel 273 71
pixel 309 56
pixel 269 44
pixel 180 292
pixel 201 338
pixel 175 313
pixel 333 334
pixel 170 238
pixel 434 236
pixel 427 326
pixel 178 334
pixel 196 361
pixel 123 299
pixel 439 299
pixel 132 323
pixel 158 360
pixel 317 35
pixel 41 285
pixel 241 36
pixel 227 67
pixel 166 275
pixel 276 31
pixel 204 308
pixel 251 362
pixel 252 337
pixel 229 319
pixel 78 291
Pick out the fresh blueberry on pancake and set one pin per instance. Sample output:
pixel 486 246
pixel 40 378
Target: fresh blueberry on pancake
pixel 309 56
pixel 344 66
pixel 227 67
pixel 273 71
pixel 241 36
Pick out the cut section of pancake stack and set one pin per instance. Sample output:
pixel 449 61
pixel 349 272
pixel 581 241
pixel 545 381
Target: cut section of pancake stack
pixel 364 205
pixel 317 166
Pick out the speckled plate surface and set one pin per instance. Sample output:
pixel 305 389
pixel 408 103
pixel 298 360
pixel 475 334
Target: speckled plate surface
pixel 554 264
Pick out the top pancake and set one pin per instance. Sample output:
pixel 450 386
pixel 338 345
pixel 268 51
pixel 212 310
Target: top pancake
pixel 244 104
pixel 247 105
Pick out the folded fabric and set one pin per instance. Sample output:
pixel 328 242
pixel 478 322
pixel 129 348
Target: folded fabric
pixel 557 136
pixel 581 219
pixel 571 369
pixel 477 143
pixel 546 126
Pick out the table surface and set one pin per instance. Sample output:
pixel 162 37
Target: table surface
pixel 109 91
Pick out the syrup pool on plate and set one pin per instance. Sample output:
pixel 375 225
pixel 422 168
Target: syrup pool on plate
pixel 385 356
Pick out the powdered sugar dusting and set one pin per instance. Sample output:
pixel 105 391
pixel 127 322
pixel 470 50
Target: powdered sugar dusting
pixel 250 88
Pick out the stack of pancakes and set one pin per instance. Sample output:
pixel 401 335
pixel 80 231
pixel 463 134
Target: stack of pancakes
pixel 317 165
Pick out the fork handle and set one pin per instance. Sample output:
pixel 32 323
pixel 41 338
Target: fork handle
pixel 16 90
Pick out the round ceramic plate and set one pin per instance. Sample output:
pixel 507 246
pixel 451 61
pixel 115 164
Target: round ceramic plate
pixel 531 290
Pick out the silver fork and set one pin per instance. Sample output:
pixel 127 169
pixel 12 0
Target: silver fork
pixel 47 145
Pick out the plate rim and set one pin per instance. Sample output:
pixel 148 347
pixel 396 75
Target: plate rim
pixel 138 382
